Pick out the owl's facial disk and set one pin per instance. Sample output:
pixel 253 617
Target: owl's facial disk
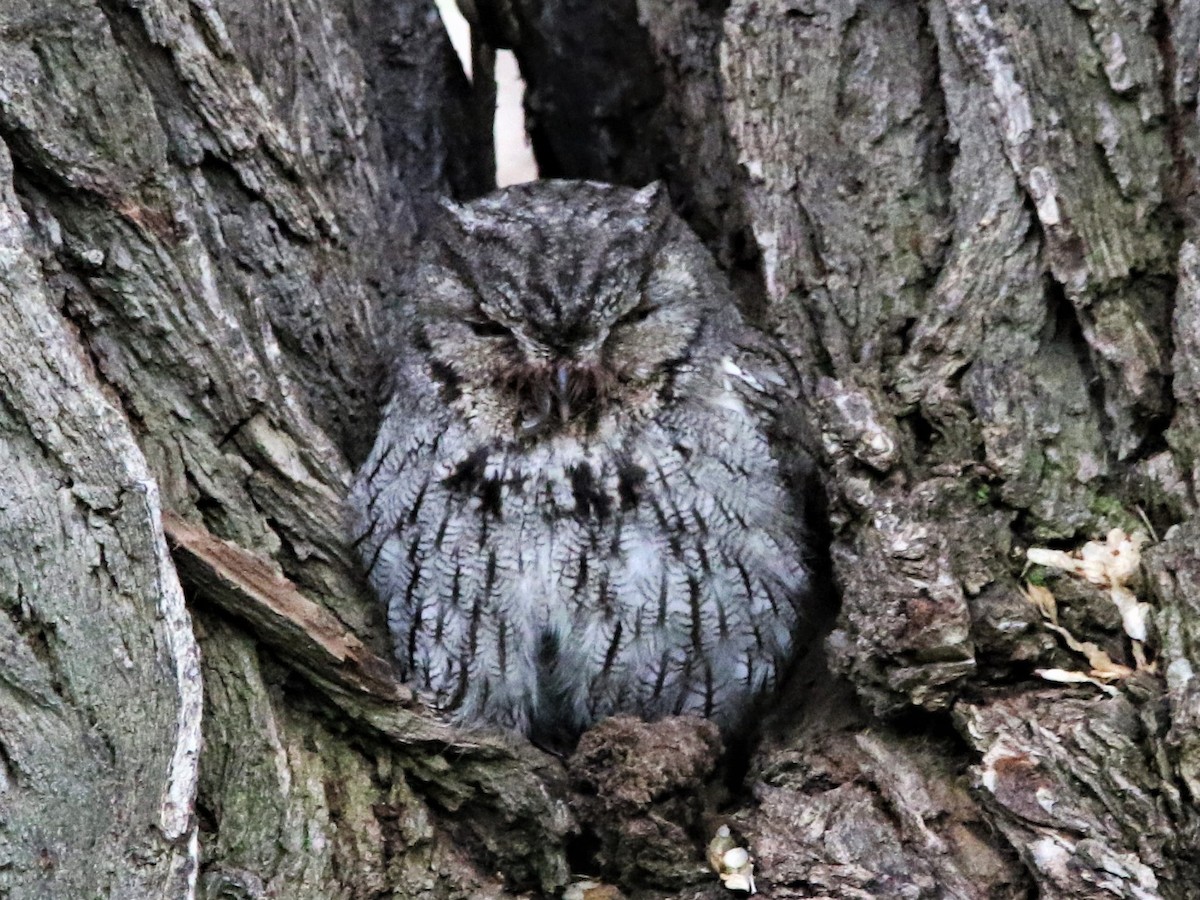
pixel 540 377
pixel 560 304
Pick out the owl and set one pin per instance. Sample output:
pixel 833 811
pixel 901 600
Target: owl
pixel 572 509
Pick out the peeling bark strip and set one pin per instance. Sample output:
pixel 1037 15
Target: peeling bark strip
pixel 249 588
pixel 973 224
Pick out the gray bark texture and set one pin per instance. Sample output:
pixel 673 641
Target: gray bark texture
pixel 974 226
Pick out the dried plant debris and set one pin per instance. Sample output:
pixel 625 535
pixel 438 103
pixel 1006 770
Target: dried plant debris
pixel 640 791
pixel 592 890
pixel 733 864
pixel 1109 565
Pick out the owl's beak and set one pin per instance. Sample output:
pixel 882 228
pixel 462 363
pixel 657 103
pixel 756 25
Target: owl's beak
pixel 555 394
pixel 562 386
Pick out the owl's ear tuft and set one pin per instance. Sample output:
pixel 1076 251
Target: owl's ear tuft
pixel 653 196
pixel 653 205
pixel 453 226
pixel 452 221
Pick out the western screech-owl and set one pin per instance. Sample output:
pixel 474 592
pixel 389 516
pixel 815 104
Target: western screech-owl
pixel 571 508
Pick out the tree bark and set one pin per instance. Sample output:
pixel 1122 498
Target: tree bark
pixel 972 224
pixel 204 210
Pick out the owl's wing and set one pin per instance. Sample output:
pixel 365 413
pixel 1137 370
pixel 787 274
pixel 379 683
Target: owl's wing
pixel 761 372
pixel 395 485
pixel 432 557
pixel 388 483
pixel 764 377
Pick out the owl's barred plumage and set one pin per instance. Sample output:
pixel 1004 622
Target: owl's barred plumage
pixel 571 508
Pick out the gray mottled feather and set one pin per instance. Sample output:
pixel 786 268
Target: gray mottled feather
pixel 641 555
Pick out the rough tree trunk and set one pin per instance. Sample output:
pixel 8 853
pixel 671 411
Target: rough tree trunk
pixel 971 222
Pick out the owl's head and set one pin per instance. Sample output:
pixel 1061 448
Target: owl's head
pixel 548 305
